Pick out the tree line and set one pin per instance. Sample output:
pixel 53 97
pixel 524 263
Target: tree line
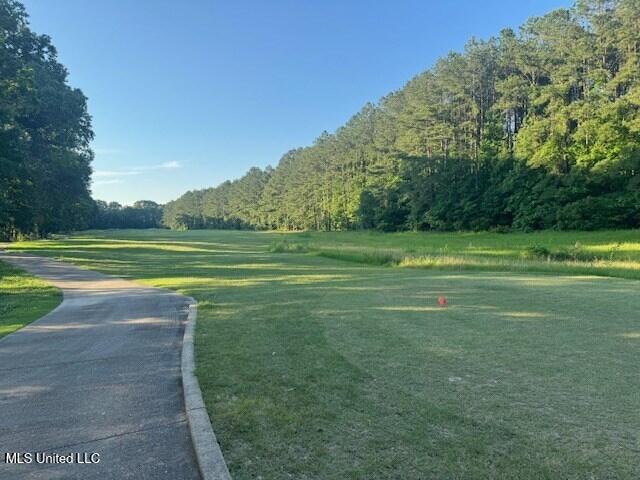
pixel 45 131
pixel 142 214
pixel 533 129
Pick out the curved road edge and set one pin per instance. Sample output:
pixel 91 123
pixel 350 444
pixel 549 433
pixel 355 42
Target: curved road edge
pixel 208 454
pixel 209 458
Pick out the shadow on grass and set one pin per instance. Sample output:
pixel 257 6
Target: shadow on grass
pixel 342 370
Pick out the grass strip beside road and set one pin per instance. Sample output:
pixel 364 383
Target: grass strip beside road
pixel 23 298
pixel 314 368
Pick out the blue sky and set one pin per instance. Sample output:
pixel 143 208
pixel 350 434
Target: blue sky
pixel 187 94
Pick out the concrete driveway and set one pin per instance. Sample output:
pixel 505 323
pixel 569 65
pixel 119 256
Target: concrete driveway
pixel 98 375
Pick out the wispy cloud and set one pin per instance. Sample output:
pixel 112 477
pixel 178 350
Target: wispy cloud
pixel 115 173
pixel 106 151
pixel 172 164
pixel 107 182
pixel 134 171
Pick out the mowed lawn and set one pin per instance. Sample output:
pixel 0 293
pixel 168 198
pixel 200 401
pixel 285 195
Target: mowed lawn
pixel 315 368
pixel 23 298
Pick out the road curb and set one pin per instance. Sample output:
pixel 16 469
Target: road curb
pixel 208 454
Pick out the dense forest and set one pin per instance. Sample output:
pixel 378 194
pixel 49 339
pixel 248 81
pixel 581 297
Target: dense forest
pixel 45 132
pixel 45 159
pixel 142 214
pixel 533 129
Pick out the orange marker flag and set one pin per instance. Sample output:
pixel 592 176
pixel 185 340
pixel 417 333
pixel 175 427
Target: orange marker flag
pixel 442 301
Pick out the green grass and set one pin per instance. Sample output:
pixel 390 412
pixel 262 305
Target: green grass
pixel 23 298
pixel 604 253
pixel 313 368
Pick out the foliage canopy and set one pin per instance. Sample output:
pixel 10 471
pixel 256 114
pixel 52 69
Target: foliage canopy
pixel 533 129
pixel 45 131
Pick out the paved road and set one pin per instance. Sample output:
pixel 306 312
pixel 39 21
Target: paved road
pixel 100 374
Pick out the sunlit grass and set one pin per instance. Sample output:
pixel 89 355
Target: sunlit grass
pixel 316 368
pixel 595 253
pixel 631 335
pixel 612 244
pixel 23 298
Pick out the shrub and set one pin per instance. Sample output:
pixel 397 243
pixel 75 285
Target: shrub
pixel 288 247
pixel 537 252
pixel 572 254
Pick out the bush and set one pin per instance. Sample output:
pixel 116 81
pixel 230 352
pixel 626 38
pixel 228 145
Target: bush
pixel 572 254
pixel 500 229
pixel 288 247
pixel 592 213
pixel 537 252
pixel 370 257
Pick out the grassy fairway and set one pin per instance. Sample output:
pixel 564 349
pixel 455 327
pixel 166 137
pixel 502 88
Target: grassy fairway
pixel 23 298
pixel 313 368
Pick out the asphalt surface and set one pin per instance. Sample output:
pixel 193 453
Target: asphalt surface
pixel 99 374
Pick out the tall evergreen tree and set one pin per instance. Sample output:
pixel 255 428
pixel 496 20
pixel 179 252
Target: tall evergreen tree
pixel 533 129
